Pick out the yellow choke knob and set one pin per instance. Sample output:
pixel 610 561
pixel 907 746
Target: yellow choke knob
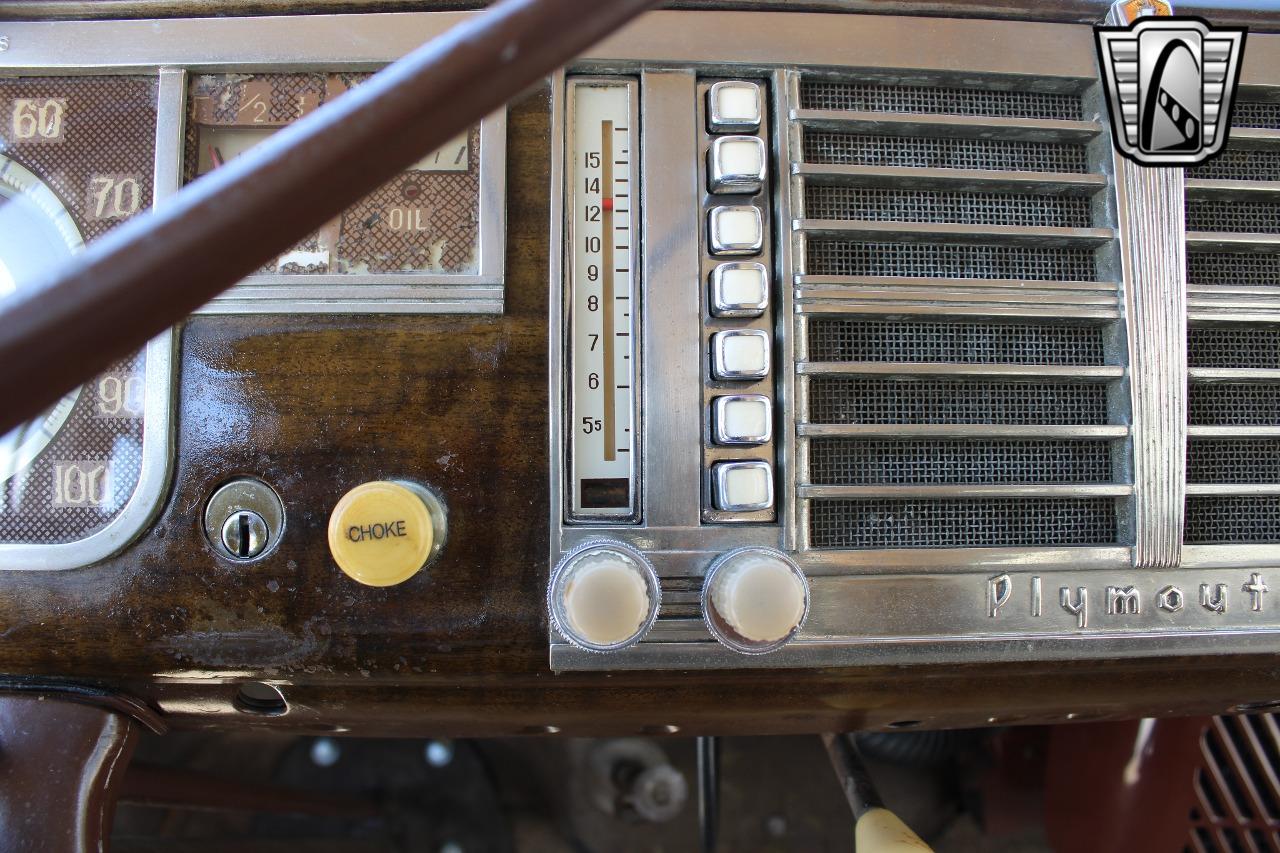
pixel 382 533
pixel 882 831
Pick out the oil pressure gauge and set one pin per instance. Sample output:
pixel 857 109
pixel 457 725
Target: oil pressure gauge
pixel 602 211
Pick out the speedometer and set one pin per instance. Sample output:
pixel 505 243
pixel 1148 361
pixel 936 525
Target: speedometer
pixel 36 233
pixel 78 157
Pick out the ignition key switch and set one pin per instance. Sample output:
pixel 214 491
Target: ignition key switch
pixel 244 520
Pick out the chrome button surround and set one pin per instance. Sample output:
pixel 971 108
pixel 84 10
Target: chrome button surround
pixel 725 177
pixel 744 219
pixel 721 358
pixel 721 118
pixel 720 420
pixel 724 303
pixel 722 475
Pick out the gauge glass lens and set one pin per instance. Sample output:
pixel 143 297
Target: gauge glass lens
pixel 426 220
pixel 36 234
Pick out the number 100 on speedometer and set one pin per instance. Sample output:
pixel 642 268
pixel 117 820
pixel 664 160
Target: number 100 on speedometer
pixel 602 212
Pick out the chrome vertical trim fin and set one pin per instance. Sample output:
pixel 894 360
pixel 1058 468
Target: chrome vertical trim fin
pixel 1151 220
pixel 1152 230
pixel 671 325
pixel 171 122
pixel 557 345
pixel 789 194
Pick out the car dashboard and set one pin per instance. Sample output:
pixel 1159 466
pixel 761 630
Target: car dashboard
pixel 845 347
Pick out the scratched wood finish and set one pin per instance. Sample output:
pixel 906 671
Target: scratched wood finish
pixel 316 405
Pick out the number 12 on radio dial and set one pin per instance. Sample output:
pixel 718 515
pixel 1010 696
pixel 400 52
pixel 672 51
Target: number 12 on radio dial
pixel 602 212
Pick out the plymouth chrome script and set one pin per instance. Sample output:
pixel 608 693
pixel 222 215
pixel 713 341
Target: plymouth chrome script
pixel 1081 603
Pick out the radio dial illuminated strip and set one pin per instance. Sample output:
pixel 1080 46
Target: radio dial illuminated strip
pixel 602 405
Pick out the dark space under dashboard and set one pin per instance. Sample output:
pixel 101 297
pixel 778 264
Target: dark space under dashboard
pixel 951 433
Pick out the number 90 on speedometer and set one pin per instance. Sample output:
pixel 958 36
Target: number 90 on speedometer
pixel 601 213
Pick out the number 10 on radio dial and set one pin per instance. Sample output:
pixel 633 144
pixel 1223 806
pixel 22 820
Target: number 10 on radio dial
pixel 602 210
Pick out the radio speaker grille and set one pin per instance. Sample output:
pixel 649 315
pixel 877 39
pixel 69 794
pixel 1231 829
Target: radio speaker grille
pixel 843 340
pixel 1211 460
pixel 876 436
pixel 1226 519
pixel 923 260
pixel 1233 346
pixel 1264 114
pixel 1238 164
pixel 880 97
pixel 1252 217
pixel 1234 405
pixel 942 152
pixel 1234 330
pixel 853 462
pixel 841 400
pixel 827 201
pixel 961 523
pixel 1231 269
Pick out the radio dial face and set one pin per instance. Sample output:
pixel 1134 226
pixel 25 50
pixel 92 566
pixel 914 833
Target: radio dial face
pixel 602 264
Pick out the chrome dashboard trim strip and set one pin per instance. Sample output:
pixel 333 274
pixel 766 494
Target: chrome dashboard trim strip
pixel 557 337
pixel 672 305
pixel 946 232
pixel 964 180
pixel 967 490
pixel 886 45
pixel 961 127
pixel 788 257
pixel 1012 372
pixel 980 432
pixel 362 42
pixel 1019 615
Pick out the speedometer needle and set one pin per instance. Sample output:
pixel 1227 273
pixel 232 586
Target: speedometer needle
pixel 215 156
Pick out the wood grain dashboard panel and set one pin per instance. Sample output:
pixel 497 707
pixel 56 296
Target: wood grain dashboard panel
pixel 315 405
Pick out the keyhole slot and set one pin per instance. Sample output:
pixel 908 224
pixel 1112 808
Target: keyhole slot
pixel 242 519
pixel 243 544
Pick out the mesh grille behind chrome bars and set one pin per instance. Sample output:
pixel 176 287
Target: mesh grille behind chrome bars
pixel 1233 338
pixel 955 389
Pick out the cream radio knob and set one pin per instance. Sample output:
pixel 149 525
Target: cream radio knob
pixel 754 600
pixel 604 596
